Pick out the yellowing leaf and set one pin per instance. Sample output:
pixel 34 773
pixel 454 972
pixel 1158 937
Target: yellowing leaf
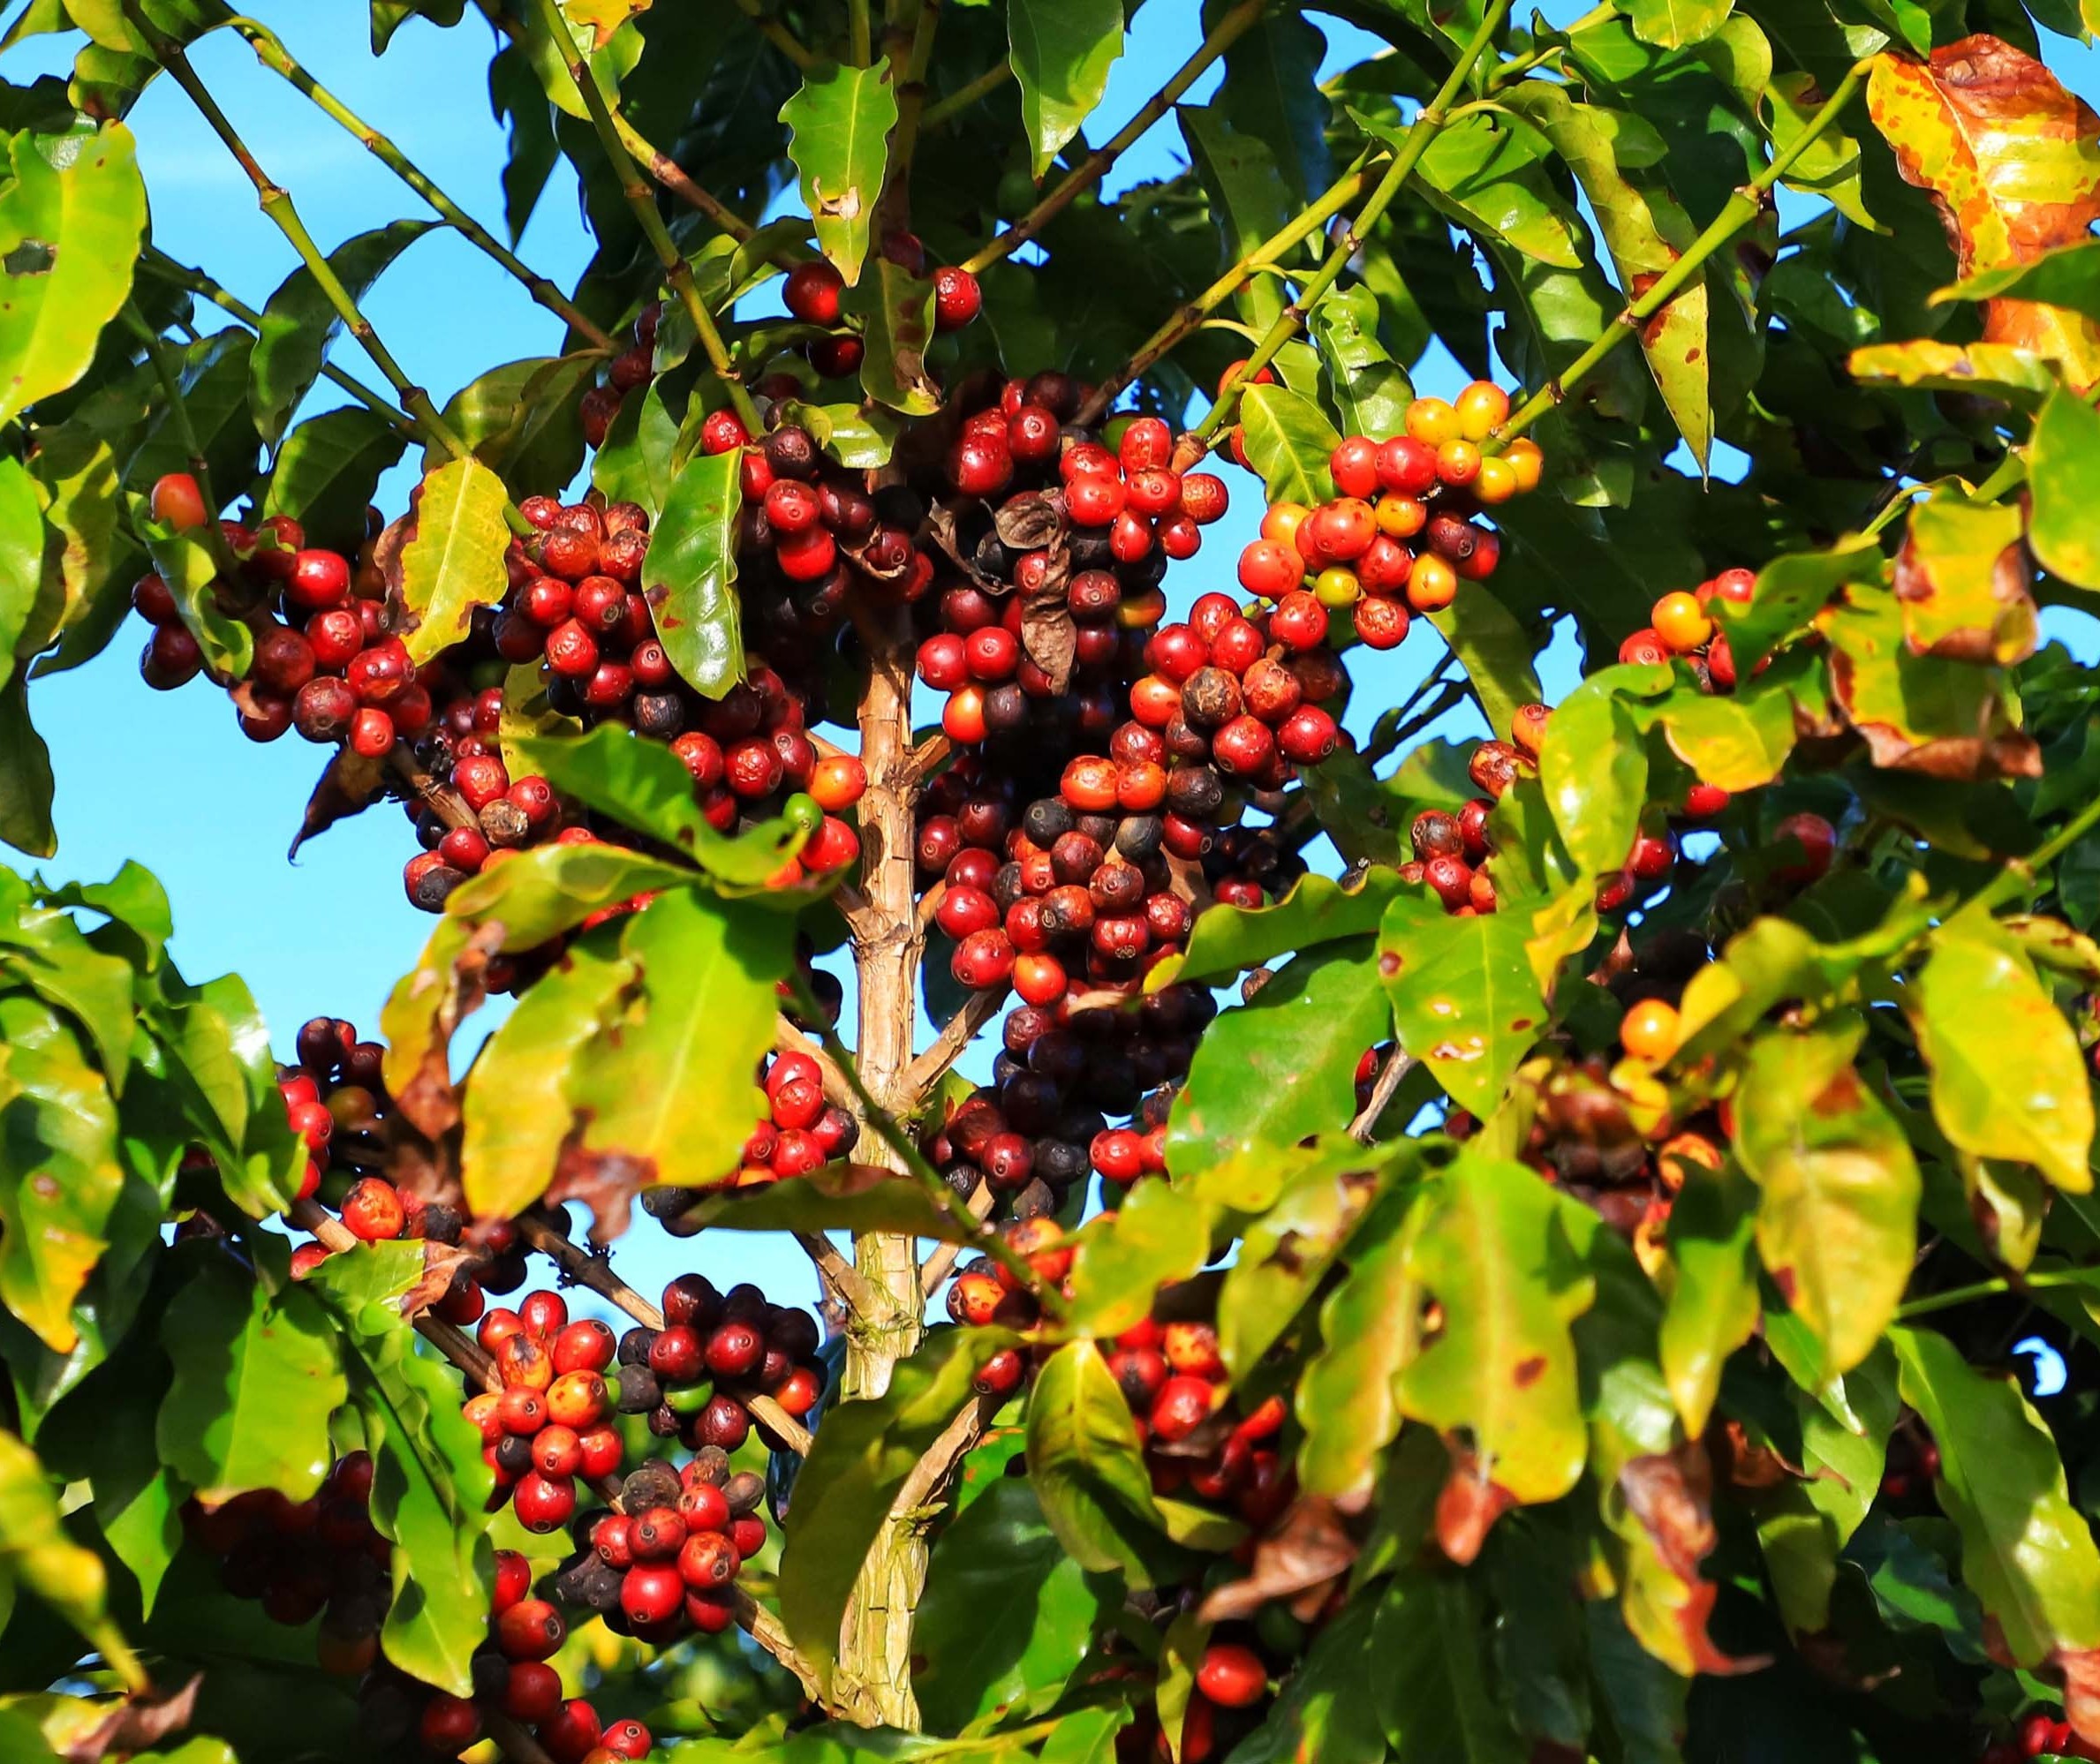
pixel 70 220
pixel 2012 162
pixel 59 1181
pixel 1962 579
pixel 1837 1219
pixel 454 563
pixel 1465 998
pixel 2008 1079
pixel 1496 1248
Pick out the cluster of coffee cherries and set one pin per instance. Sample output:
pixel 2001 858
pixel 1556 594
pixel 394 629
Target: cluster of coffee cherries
pixel 628 372
pixel 1197 1444
pixel 814 294
pixel 514 1675
pixel 2039 1734
pixel 549 1421
pixel 1681 627
pixel 1402 530
pixel 1240 1663
pixel 323 662
pixel 693 1378
pixel 799 1132
pixel 321 1557
pixel 335 1099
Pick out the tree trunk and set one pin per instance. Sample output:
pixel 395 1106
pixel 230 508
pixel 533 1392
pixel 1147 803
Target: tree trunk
pixel 874 1672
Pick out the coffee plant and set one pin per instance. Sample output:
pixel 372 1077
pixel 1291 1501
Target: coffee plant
pixel 1477 1229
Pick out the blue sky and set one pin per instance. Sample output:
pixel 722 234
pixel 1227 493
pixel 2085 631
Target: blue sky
pixel 167 778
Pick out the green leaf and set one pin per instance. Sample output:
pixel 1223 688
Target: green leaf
pixel 1249 203
pixel 46 951
pixel 36 1553
pixel 2026 1551
pixel 1829 166
pixel 850 1197
pixel 2064 526
pixel 183 561
pixel 1271 93
pixel 1006 1616
pixel 1674 24
pixel 515 1108
pixel 454 563
pixel 215 396
pixel 522 420
pixel 1594 765
pixel 1978 999
pixel 1323 1712
pixel 1285 1255
pixel 429 1484
pixel 1496 652
pixel 328 471
pixel 1497 1248
pixel 841 120
pixel 541 893
pixel 1712 1307
pixel 633 463
pixel 254 1383
pixel 59 1182
pixel 1803 1531
pixel 217 1050
pixel 1287 441
pixel 1430 1677
pixel 1791 591
pixel 645 786
pixel 300 321
pixel 2069 276
pixel 138 1502
pixel 861 436
pixel 1086 1469
pixel 1368 388
pixel 70 217
pixel 1062 51
pixel 1836 1220
pixel 1159 1234
pixel 24 776
pixel 84 585
pixel 1370 1326
pixel 1738 742
pixel 691 571
pixel 864 1452
pixel 1913 1585
pixel 1271 1071
pixel 21 558
pixel 1642 1700
pixel 895 310
pixel 1229 940
pixel 669 1086
pixel 1466 998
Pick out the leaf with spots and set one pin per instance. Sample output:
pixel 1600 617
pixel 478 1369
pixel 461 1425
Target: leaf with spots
pixel 454 563
pixel 1282 1067
pixel 2063 471
pixel 1790 591
pixel 691 573
pixel 59 1181
pixel 895 309
pixel 71 215
pixel 1466 999
pixel 1837 1210
pixel 841 120
pixel 1962 579
pixel 1495 1250
pixel 2009 158
pixel 1712 1305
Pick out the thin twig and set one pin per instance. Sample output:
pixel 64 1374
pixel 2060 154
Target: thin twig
pixel 1741 208
pixel 270 51
pixel 963 96
pixel 157 262
pixel 211 534
pixel 842 1280
pixel 594 1271
pixel 788 1039
pixel 676 271
pixel 929 1068
pixel 277 204
pixel 1188 318
pixel 1090 170
pixel 914 1161
pixel 938 1462
pixel 1396 1067
pixel 779 35
pixel 514 1741
pixel 912 58
pixel 1425 128
pixel 945 1255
